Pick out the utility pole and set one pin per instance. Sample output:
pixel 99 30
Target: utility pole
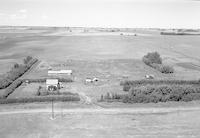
pixel 52 115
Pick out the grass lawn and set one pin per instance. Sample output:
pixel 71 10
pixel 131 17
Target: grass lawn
pixel 25 90
pixel 105 124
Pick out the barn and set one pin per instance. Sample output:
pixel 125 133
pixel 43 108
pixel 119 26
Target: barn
pixel 60 72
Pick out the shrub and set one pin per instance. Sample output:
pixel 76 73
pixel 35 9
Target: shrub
pixel 38 91
pixel 166 69
pixel 155 61
pixel 16 65
pixel 151 58
pixel 126 87
pixel 27 59
pixel 4 82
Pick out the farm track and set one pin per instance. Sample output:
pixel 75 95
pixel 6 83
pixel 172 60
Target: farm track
pixel 88 101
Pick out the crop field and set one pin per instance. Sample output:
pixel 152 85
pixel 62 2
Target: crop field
pixel 109 56
pixel 55 46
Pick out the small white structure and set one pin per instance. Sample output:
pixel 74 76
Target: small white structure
pixel 149 76
pixel 95 79
pixel 52 84
pixel 88 80
pixel 60 72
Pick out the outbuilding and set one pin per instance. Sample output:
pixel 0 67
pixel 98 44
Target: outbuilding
pixel 52 84
pixel 59 72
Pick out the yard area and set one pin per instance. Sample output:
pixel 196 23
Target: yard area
pixel 26 90
pixel 30 90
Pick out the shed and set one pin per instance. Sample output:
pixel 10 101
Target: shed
pixel 60 72
pixel 149 76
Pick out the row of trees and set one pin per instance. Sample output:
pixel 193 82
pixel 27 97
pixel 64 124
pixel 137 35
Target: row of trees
pixel 16 71
pixel 156 93
pixel 154 60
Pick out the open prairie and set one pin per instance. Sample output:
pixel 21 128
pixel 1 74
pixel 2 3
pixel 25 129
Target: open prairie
pixel 111 56
pixel 59 45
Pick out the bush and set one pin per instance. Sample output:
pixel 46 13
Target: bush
pixel 155 61
pixel 166 69
pixel 151 58
pixel 16 65
pixel 126 87
pixel 39 91
pixel 111 97
pixel 4 82
pixel 27 59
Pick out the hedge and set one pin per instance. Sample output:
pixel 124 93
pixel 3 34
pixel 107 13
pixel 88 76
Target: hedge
pixel 133 82
pixel 10 89
pixel 156 93
pixel 127 84
pixel 163 93
pixel 41 99
pixel 15 73
pixel 43 80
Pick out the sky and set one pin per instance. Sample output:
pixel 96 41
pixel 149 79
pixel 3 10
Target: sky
pixel 101 13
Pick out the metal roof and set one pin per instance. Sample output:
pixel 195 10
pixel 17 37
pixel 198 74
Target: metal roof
pixel 52 81
pixel 60 72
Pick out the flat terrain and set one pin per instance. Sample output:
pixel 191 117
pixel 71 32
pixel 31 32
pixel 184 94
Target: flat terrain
pixel 59 46
pixel 72 121
pixel 111 56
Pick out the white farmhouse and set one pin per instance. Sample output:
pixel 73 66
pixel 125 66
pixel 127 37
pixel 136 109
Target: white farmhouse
pixel 52 84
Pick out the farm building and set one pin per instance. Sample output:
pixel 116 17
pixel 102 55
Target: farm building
pixel 52 84
pixel 90 80
pixel 60 72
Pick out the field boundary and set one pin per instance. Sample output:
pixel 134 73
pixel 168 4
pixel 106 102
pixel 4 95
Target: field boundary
pixel 50 98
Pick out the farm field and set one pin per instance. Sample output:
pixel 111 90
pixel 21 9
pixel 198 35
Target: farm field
pixel 111 57
pixel 179 51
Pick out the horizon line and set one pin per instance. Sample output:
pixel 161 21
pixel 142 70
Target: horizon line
pixel 48 26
